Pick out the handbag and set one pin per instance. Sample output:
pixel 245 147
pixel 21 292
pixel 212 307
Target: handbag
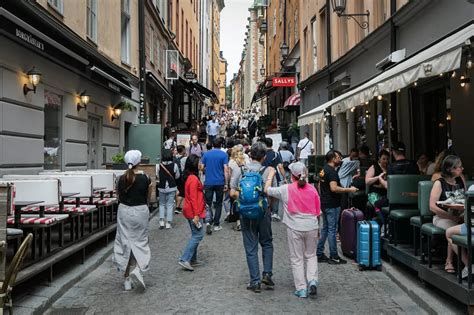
pixel 373 197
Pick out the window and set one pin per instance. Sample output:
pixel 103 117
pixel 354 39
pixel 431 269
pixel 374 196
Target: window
pixel 58 5
pixel 157 48
pixel 92 19
pixel 305 48
pixel 296 27
pixel 52 131
pixel 186 52
pixel 274 22
pixel 170 15
pixel 289 35
pixel 182 28
pixel 125 31
pixel 281 11
pixel 323 40
pixel 314 44
pixel 343 37
pixel 151 45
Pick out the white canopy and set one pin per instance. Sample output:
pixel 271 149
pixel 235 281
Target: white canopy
pixel 441 57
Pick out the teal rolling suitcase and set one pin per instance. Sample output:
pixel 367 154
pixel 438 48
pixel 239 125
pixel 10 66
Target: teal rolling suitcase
pixel 368 245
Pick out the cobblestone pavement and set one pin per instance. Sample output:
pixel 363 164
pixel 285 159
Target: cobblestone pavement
pixel 218 286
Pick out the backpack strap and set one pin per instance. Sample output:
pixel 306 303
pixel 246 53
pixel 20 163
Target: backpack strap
pixel 166 170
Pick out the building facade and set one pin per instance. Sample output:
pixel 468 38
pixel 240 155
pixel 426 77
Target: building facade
pixel 385 83
pixel 74 116
pixel 222 80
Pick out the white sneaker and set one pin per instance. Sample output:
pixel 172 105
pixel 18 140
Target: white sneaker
pixel 162 224
pixel 168 225
pixel 137 278
pixel 127 284
pixel 217 228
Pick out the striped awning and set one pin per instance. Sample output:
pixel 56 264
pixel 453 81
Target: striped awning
pixel 293 100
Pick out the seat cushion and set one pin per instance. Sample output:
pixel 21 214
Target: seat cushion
pixel 415 221
pixel 14 232
pixel 461 240
pixel 32 220
pixel 95 201
pixel 80 209
pixel 403 214
pixel 430 229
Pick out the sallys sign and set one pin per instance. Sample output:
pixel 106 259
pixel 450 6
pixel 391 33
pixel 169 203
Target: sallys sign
pixel 284 81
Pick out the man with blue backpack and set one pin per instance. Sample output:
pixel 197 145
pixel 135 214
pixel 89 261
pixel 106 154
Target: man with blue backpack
pixel 247 189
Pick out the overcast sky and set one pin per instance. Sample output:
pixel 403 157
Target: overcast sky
pixel 233 21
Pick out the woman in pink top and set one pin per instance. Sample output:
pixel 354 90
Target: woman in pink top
pixel 301 208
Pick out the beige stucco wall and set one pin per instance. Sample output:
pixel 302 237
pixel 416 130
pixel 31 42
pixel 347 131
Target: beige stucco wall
pixel 108 27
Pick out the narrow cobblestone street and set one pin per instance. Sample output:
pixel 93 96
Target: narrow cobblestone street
pixel 218 286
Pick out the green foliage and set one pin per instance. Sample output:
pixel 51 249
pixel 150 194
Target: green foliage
pixel 118 158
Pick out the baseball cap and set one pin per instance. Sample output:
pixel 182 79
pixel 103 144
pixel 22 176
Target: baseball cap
pixel 297 168
pixel 132 158
pixel 398 146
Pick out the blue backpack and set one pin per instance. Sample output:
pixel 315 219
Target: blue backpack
pixel 252 202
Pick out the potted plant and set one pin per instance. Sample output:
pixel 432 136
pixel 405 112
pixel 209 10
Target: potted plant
pixel 145 159
pixel 119 162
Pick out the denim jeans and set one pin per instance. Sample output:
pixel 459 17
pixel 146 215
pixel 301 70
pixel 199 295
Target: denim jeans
pixel 209 191
pixel 254 232
pixel 331 219
pixel 190 251
pixel 212 139
pixel 167 204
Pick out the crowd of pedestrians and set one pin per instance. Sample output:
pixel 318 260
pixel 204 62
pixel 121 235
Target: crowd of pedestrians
pixel 254 186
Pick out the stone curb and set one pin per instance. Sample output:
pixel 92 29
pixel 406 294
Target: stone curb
pixel 427 299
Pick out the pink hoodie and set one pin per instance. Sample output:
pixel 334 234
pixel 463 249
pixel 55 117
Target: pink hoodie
pixel 303 200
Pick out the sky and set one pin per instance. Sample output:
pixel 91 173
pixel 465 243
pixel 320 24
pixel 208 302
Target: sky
pixel 233 22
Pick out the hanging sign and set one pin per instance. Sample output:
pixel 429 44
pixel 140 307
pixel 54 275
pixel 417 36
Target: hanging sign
pixel 284 82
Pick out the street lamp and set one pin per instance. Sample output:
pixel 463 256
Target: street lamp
pixel 339 6
pixel 284 50
pixel 262 71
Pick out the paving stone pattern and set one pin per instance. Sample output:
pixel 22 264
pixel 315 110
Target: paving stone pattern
pixel 218 286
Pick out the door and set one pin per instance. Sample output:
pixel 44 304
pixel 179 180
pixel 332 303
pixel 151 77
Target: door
pixel 93 143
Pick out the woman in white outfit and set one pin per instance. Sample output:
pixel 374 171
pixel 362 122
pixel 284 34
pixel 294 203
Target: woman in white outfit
pixel 301 208
pixel 131 248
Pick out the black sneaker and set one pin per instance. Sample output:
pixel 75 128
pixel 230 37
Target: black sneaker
pixel 336 261
pixel 323 259
pixel 255 287
pixel 313 288
pixel 208 229
pixel 267 280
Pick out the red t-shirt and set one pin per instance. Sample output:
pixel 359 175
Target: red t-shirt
pixel 194 198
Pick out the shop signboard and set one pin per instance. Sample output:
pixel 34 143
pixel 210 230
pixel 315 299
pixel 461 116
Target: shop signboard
pixel 284 82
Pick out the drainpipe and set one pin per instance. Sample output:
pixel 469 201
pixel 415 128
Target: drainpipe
pixel 329 61
pixel 141 45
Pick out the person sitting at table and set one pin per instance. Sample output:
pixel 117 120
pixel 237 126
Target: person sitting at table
pixel 459 229
pixel 376 180
pixel 451 180
pixel 424 163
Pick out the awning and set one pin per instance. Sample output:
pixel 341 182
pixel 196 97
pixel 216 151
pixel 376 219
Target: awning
pixel 111 78
pixel 293 100
pixel 203 90
pixel 441 57
pixel 160 85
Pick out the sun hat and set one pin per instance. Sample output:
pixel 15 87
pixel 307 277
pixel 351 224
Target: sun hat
pixel 132 158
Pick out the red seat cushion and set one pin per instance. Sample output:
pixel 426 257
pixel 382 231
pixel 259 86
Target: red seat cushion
pixel 32 221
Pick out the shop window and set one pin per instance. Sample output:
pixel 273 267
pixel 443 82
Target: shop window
pixel 52 131
pixel 362 116
pixel 125 31
pixel 92 19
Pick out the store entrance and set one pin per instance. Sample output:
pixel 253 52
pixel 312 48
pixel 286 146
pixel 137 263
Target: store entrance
pixel 431 121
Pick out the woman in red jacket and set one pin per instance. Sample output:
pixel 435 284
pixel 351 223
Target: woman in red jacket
pixel 193 211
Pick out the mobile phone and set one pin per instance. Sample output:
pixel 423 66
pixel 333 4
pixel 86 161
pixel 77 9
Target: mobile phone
pixel 198 225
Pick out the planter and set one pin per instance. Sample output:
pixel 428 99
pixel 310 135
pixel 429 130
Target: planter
pixel 118 166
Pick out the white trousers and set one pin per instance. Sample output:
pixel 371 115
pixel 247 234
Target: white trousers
pixel 302 247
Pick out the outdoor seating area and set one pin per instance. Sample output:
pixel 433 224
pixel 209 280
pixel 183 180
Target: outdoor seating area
pixel 409 235
pixel 64 212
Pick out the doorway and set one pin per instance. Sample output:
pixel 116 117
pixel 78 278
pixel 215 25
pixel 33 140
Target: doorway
pixel 93 142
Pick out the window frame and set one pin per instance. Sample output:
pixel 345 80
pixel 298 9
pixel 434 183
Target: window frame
pixel 91 20
pixel 57 5
pixel 125 17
